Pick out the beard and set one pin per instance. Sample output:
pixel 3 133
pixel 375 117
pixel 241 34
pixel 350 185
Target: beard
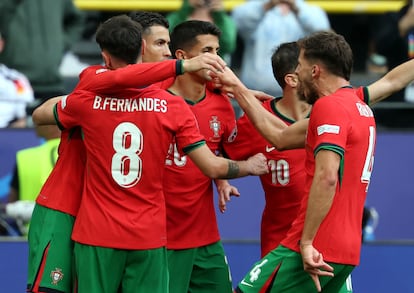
pixel 307 92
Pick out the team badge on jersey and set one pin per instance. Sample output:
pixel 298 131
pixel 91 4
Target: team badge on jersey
pixel 215 126
pixel 233 135
pixel 56 276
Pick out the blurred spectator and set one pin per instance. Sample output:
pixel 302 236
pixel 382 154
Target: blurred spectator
pixel 212 11
pixel 33 165
pixel 155 34
pixel 38 34
pixel 393 37
pixel 15 94
pixel 264 25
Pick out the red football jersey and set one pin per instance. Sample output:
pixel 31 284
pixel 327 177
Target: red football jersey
pixel 342 123
pixel 283 185
pixel 127 140
pixel 62 189
pixel 191 217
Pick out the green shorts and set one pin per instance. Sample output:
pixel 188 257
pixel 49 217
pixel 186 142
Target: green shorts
pixel 50 264
pixel 108 270
pixel 281 270
pixel 201 269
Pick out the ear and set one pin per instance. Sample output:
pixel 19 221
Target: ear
pixel 291 79
pixel 144 47
pixel 180 54
pixel 316 70
pixel 107 59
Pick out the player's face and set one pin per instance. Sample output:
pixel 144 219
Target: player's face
pixel 306 89
pixel 205 44
pixel 157 43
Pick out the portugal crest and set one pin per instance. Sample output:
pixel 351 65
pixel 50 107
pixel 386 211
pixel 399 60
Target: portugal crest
pixel 215 126
pixel 56 276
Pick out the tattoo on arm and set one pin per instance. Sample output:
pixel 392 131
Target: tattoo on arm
pixel 233 170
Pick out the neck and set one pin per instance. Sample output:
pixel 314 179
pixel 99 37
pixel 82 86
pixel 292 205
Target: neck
pixel 194 92
pixel 291 106
pixel 330 84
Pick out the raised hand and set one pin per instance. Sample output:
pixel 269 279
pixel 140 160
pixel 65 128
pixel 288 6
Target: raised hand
pixel 211 63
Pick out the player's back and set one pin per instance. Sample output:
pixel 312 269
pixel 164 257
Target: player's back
pixel 127 139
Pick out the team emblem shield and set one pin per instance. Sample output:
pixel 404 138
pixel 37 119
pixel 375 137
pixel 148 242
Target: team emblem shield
pixel 56 276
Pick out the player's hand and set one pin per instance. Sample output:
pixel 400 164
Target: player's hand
pixel 314 264
pixel 207 61
pixel 225 192
pixel 261 96
pixel 258 164
pixel 226 80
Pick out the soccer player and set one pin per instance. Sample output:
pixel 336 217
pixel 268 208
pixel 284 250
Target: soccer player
pixel 320 75
pixel 283 185
pixel 325 238
pixel 196 259
pixel 156 35
pixel 50 246
pixel 120 227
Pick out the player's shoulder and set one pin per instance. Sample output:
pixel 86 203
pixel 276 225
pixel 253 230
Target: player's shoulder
pixel 92 70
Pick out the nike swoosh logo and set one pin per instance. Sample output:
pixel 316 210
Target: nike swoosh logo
pixel 269 149
pixel 243 282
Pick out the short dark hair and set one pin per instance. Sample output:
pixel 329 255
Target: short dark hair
pixel 121 37
pixel 184 35
pixel 331 49
pixel 284 61
pixel 148 19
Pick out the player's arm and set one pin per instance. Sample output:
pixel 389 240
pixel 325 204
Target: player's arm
pixel 395 80
pixel 320 200
pixel 269 126
pixel 322 192
pixel 144 74
pixel 219 167
pixel 44 114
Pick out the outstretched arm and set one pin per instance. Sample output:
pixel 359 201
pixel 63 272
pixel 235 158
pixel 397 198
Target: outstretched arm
pixel 395 80
pixel 104 81
pixel 269 126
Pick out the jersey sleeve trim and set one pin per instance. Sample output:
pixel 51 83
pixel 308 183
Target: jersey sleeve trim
pixel 193 146
pixel 55 113
pixel 336 149
pixel 179 67
pixel 366 95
